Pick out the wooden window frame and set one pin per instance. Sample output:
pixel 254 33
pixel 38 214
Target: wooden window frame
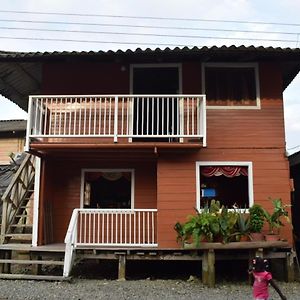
pixel 247 164
pixel 233 65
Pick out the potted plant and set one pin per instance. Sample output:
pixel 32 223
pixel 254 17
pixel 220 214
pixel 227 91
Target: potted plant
pixel 256 222
pixel 242 228
pixel 274 219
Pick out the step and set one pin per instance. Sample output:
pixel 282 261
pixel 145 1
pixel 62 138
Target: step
pixel 34 277
pixel 20 225
pixel 19 235
pixel 32 262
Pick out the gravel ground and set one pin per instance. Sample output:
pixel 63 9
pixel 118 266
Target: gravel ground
pixel 86 289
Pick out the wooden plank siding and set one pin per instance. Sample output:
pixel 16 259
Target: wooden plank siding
pixel 64 191
pixel 168 181
pixel 9 145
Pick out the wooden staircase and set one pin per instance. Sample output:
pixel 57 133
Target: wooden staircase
pixel 18 259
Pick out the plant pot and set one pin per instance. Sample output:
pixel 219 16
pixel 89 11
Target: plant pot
pixel 244 238
pixel 256 236
pixel 272 237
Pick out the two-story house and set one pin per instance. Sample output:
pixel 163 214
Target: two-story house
pixel 126 141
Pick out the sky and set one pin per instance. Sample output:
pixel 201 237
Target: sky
pixel 200 16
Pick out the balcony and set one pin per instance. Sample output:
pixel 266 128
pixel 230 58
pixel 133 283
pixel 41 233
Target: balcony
pixel 125 119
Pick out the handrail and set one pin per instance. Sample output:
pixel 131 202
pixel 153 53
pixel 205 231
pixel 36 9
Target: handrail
pixel 15 193
pixel 16 176
pixel 109 227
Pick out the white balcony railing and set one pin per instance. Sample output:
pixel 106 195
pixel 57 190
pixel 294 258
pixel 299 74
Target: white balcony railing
pixel 114 116
pixel 109 228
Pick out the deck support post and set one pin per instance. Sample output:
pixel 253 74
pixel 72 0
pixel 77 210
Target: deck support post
pixel 208 268
pixel 36 268
pixel 289 266
pixel 122 267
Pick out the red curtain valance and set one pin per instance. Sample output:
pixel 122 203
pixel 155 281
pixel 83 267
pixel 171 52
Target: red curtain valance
pixel 228 171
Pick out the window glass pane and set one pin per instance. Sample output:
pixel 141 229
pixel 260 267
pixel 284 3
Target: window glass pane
pixel 107 189
pixel 230 86
pixel 229 189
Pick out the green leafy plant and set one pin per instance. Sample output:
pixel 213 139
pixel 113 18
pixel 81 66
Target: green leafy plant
pixel 213 223
pixel 242 226
pixel 274 219
pixel 256 218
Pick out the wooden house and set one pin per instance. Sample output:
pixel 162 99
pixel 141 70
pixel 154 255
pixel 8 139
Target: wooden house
pixel 12 138
pixel 127 143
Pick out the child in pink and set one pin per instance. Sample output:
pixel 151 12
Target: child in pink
pixel 262 279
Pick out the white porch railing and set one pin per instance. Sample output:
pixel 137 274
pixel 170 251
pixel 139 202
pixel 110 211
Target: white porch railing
pixel 110 227
pixel 114 116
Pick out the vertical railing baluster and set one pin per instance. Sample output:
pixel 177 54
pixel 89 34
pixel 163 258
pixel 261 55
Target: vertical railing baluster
pixel 90 114
pixel 116 120
pixel 102 230
pixel 80 115
pixel 104 116
pixel 100 114
pixel 125 224
pixel 59 113
pixel 130 233
pixel 152 119
pixel 193 115
pixel 122 117
pixel 116 233
pixel 121 228
pixel 137 115
pixel 112 228
pixel 188 116
pixel 75 115
pixel 70 113
pixel 134 227
pixel 143 116
pixel 95 114
pixel 94 226
pixel 109 116
pixel 107 226
pixel 46 116
pixel 84 125
pixel 157 115
pixel 153 227
pixel 139 227
pixel 144 228
pixel 148 228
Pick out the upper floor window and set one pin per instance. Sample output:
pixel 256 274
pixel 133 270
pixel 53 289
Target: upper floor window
pixel 231 85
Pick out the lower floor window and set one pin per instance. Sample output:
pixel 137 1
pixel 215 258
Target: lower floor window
pixel 108 189
pixel 228 182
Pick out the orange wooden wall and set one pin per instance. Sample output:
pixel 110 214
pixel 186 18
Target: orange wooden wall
pixel 63 187
pixel 232 135
pixel 255 135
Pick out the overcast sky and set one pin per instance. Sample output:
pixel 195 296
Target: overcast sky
pixel 263 11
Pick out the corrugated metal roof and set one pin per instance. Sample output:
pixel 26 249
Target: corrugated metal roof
pixel 177 50
pixel 12 125
pixel 21 72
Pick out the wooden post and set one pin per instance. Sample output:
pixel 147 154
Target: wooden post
pixel 289 266
pixel 208 268
pixel 122 267
pixel 36 268
pixel 211 268
pixel 205 267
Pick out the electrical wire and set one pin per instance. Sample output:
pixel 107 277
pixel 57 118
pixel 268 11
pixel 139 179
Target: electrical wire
pixel 141 43
pixel 149 17
pixel 137 34
pixel 141 26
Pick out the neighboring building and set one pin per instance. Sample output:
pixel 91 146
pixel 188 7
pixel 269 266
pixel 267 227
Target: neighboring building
pixel 131 142
pixel 12 139
pixel 294 160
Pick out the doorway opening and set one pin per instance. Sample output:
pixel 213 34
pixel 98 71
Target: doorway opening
pixel 155 116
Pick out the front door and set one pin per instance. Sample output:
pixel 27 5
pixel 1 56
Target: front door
pixel 152 115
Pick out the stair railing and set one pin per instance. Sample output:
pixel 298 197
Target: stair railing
pixel 14 196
